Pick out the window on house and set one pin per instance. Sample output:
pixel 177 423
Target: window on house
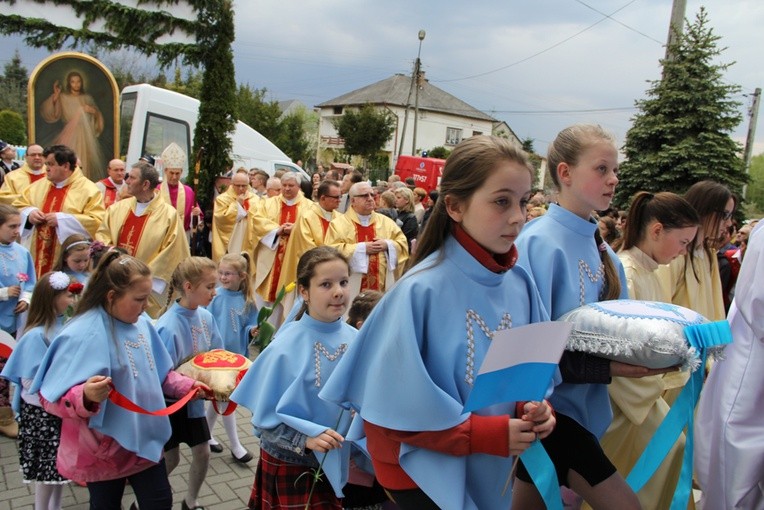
pixel 477 133
pixel 338 110
pixel 453 136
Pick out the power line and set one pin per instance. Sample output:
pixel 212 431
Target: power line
pixel 539 52
pixel 619 22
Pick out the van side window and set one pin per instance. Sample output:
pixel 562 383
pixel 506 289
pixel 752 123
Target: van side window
pixel 161 131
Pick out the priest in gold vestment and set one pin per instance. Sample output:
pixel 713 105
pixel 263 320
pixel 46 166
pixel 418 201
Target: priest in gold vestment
pixel 280 212
pixel 230 217
pixel 64 203
pixel 374 244
pixel 17 181
pixel 149 229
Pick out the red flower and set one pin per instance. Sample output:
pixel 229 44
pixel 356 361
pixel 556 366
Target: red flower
pixel 76 287
pixel 22 277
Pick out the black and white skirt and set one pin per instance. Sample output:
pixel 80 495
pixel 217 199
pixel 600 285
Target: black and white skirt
pixel 39 435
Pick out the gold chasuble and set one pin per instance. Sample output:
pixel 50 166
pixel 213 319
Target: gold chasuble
pixel 156 237
pixel 308 232
pixel 17 181
pixel 228 234
pixel 269 262
pixel 77 197
pixel 346 232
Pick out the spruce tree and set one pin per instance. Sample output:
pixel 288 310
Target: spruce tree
pixel 681 134
pixel 217 111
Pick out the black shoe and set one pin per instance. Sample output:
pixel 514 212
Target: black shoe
pixel 243 459
pixel 216 448
pixel 184 506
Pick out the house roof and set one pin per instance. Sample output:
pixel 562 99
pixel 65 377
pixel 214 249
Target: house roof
pixel 395 91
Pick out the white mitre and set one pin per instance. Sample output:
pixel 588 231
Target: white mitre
pixel 174 157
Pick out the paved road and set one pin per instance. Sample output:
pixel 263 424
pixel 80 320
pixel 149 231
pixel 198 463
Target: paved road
pixel 227 486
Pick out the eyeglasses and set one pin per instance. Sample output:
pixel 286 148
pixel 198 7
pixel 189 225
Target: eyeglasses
pixel 364 195
pixel 333 197
pixel 34 154
pixel 726 214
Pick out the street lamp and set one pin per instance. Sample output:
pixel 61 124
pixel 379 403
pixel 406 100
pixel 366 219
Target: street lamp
pixel 417 77
pixel 414 83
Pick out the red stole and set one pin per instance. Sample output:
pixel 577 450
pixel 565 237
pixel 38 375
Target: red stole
pixel 110 193
pixel 46 238
pixel 131 233
pixel 288 215
pixel 245 204
pixel 324 225
pixel 35 177
pixel 370 280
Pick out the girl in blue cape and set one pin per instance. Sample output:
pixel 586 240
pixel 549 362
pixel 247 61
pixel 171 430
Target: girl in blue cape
pixel 39 432
pixel 109 343
pixel 414 363
pixel 236 314
pixel 74 258
pixel 187 329
pixel 299 432
pixel 17 278
pixel 573 266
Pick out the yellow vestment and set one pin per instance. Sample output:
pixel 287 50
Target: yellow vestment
pixel 16 182
pixel 342 235
pixel 227 224
pixel 269 261
pixel 161 244
pixel 307 233
pixel 83 202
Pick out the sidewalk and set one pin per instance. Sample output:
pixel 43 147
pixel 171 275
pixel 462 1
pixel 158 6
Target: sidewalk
pixel 227 486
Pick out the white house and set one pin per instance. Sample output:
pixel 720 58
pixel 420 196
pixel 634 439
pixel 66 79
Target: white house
pixel 444 120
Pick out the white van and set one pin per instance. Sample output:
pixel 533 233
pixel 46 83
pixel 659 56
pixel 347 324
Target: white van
pixel 151 118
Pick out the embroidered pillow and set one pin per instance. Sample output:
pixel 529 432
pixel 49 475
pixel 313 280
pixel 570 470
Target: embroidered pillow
pixel 219 369
pixel 645 333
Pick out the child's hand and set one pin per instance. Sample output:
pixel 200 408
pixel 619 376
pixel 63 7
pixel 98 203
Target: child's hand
pixel 327 440
pixel 540 414
pixel 14 291
pixel 96 389
pixel 521 435
pixel 202 390
pixel 21 307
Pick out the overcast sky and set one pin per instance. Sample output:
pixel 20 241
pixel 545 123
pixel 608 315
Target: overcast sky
pixel 538 65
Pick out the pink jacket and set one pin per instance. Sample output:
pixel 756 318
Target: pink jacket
pixel 86 455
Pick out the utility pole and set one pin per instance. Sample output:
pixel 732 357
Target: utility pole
pixel 753 116
pixel 676 26
pixel 418 75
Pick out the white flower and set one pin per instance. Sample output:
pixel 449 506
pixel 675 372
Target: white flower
pixel 59 280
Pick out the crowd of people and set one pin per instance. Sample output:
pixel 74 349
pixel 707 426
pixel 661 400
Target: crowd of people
pixel 358 401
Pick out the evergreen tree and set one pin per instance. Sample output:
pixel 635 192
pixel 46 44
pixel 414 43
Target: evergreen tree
pixel 365 131
pixel 681 133
pixel 217 111
pixel 13 89
pixel 12 128
pixel 292 139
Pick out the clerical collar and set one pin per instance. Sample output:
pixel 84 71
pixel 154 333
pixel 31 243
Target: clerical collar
pixel 364 220
pixel 497 263
pixel 63 183
pixel 115 184
pixel 326 214
pixel 289 201
pixel 36 172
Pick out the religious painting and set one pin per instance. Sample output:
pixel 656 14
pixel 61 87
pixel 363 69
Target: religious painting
pixel 73 101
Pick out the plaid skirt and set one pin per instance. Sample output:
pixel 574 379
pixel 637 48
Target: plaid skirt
pixel 283 485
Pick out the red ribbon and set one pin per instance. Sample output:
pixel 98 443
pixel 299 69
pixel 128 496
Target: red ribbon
pixel 124 402
pixel 231 407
